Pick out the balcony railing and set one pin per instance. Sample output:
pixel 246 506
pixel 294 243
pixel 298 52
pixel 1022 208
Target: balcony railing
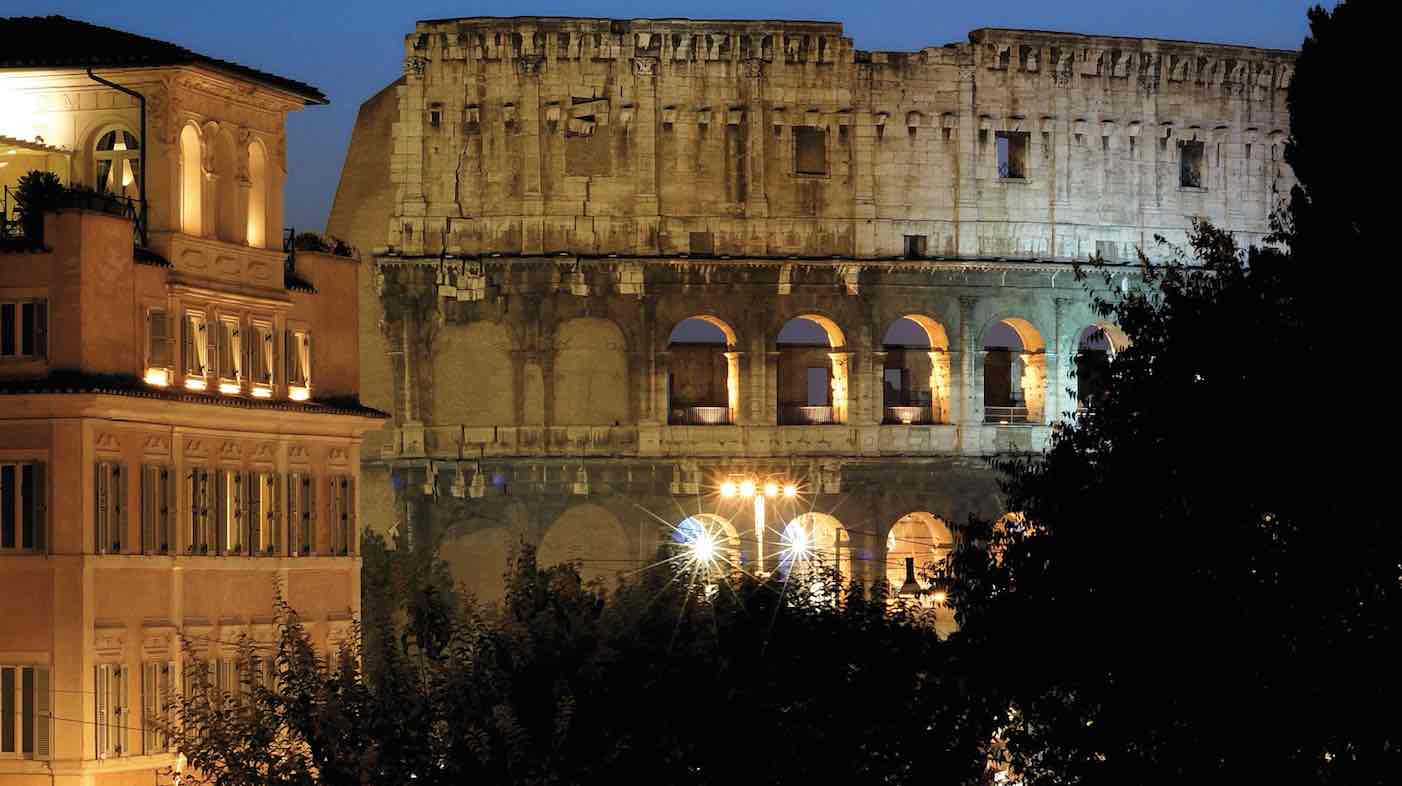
pixel 700 415
pixel 908 414
pixel 1005 415
pixel 804 415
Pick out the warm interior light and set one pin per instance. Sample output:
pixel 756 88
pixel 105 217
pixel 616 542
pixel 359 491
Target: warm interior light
pixel 727 489
pixel 194 383
pixel 790 490
pixel 939 596
pixel 262 392
pixel 157 376
pixel 747 488
pixel 229 387
pixel 771 489
pixel 299 394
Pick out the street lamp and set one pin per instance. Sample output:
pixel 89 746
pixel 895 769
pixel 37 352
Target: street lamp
pixel 759 491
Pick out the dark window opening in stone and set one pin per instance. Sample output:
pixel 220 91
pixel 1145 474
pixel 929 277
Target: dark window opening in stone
pixel 1190 155
pixel 1012 154
pixel 435 116
pixel 909 371
pixel 818 386
pixel 699 375
pixel 810 150
pixel 915 246
pixel 702 243
pixel 1094 350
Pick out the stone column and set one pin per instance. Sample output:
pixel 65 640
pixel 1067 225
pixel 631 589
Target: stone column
pixel 660 389
pixel 1034 385
pixel 756 201
pixel 732 386
pixel 970 410
pixel 939 386
pixel 767 383
pixel 1059 372
pixel 646 204
pixel 966 207
pixel 878 395
pixel 841 394
pixel 530 118
pixel 864 180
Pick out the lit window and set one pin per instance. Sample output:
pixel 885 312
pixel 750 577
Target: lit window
pixel 160 348
pixel 25 719
pixel 157 505
pixel 118 158
pixel 195 339
pixel 299 364
pixel 263 513
pixel 262 359
pixel 22 507
pixel 229 503
pixel 24 327
pixel 111 716
pixel 230 356
pixel 110 497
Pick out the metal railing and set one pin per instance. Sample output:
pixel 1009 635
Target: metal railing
pixel 1005 415
pixel 10 227
pixel 908 414
pixel 804 415
pixel 700 415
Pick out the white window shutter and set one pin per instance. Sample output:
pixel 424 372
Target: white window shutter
pixel 100 689
pixel 43 714
pixel 149 482
pixel 120 716
pixel 101 543
pixel 149 702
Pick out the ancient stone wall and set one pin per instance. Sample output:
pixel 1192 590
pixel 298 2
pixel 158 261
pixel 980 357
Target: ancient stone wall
pixel 566 192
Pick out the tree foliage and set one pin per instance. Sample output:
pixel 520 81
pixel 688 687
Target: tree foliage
pixel 763 682
pixel 1204 582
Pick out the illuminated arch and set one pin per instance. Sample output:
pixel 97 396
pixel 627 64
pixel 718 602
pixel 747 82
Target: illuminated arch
pixel 117 156
pixel 191 181
pixel 715 534
pixel 257 195
pixel 836 338
pixel 915 384
pixel 726 330
pixel 935 335
pixel 923 537
pixel 816 540
pixel 1014 378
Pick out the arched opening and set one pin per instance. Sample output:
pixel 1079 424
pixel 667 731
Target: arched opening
pixel 1095 348
pixel 117 158
pixel 917 545
pixel 703 373
pixel 915 373
pixel 813 372
pixel 191 182
pixel 1014 373
pixel 477 560
pixel 815 541
pixel 257 196
pixel 229 228
pixel 590 536
pixel 708 545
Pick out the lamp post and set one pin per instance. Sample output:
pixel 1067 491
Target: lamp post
pixel 752 489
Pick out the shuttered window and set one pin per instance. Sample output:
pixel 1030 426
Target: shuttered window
pixel 230 499
pixel 26 725
pixel 23 513
pixel 261 355
pixel 265 514
pixel 111 716
pixel 157 507
pixel 301 514
pixel 160 340
pixel 157 705
pixel 110 496
pixel 200 522
pixel 195 341
pixel 342 513
pixel 230 351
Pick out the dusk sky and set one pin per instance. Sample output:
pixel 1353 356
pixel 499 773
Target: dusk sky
pixel 352 49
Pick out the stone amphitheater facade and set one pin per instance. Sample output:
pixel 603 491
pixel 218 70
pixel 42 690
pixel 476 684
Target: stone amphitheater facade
pixel 541 202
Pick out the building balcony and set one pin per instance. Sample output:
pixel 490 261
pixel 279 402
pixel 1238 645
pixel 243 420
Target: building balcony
pixel 700 415
pixel 805 415
pixel 907 414
pixel 1005 415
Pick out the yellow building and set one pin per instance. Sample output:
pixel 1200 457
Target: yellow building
pixel 179 420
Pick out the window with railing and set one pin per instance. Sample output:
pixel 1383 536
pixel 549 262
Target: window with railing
pixel 230 344
pixel 160 348
pixel 262 357
pixel 24 328
pixel 22 507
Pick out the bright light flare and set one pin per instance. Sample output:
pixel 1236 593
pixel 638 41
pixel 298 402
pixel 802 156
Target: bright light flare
pixel 790 490
pixel 727 489
pixel 195 383
pixel 771 489
pixel 157 376
pixel 747 488
pixel 262 392
pixel 229 388
pixel 299 393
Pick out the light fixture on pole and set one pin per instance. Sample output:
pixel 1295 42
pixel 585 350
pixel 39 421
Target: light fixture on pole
pixel 911 588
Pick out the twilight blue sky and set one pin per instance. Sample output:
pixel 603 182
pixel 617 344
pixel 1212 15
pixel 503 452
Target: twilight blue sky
pixel 350 49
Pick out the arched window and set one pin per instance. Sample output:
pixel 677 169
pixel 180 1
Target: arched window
pixel 1014 373
pixel 813 372
pixel 1095 347
pixel 226 178
pixel 915 375
pixel 703 381
pixel 118 161
pixel 257 196
pixel 191 182
pixel 815 541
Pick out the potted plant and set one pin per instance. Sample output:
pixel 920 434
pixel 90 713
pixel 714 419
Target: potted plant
pixel 37 193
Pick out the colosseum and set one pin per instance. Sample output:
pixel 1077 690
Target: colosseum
pixel 627 276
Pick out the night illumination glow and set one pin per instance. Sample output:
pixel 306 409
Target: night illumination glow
pixel 727 489
pixel 790 490
pixel 747 488
pixel 229 388
pixel 195 383
pixel 157 376
pixel 298 393
pixel 262 392
pixel 771 489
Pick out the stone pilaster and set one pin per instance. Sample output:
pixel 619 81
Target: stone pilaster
pixel 733 381
pixel 841 386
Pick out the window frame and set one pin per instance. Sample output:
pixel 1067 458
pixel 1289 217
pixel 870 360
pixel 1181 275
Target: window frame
pixel 230 353
pixel 262 356
pixel 191 340
pixel 109 507
pixel 22 515
pixel 111 710
pixel 158 509
pixel 1200 171
pixel 301 513
pixel 198 520
pixel 822 134
pixel 36 721
pixel 1024 139
pixel 117 157
pixel 13 323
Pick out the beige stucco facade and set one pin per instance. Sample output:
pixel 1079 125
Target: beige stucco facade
pixel 547 199
pixel 180 436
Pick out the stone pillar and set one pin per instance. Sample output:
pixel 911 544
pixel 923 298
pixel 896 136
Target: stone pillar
pixel 878 395
pixel 841 393
pixel 939 386
pixel 966 208
pixel 864 180
pixel 732 386
pixel 1059 372
pixel 1034 385
pixel 970 410
pixel 530 118
pixel 660 389
pixel 767 383
pixel 756 201
pixel 646 204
